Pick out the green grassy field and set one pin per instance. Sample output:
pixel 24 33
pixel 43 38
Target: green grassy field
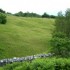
pixel 25 36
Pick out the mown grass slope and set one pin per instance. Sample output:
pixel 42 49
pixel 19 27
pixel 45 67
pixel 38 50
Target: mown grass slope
pixel 25 36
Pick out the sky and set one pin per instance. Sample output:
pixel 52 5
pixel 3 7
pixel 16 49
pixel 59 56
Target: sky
pixel 51 7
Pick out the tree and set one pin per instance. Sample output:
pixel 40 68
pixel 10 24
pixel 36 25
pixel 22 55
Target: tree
pixel 60 23
pixel 19 14
pixel 9 13
pixel 67 22
pixel 60 41
pixel 45 15
pixel 52 16
pixel 3 19
pixel 63 23
pixel 2 11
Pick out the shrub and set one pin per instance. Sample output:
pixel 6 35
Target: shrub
pixel 3 19
pixel 60 45
pixel 42 64
pixel 11 66
pixel 24 66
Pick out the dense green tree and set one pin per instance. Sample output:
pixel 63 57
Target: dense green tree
pixel 3 19
pixel 2 11
pixel 63 23
pixel 45 15
pixel 61 37
pixel 59 22
pixel 52 16
pixel 67 22
pixel 19 13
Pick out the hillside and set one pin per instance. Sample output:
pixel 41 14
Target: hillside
pixel 25 36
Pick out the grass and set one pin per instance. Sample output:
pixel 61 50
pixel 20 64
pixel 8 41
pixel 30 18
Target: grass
pixel 1 68
pixel 25 36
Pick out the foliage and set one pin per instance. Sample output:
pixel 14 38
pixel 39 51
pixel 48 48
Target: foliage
pixel 45 15
pixel 3 19
pixel 61 45
pixel 2 11
pixel 61 37
pixel 67 22
pixel 41 64
pixel 63 23
pixel 59 23
pixel 52 16
pixel 9 13
pixel 11 66
pixel 26 14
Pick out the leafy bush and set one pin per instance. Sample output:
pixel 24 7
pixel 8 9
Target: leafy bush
pixel 60 45
pixel 3 19
pixel 24 66
pixel 42 64
pixel 12 66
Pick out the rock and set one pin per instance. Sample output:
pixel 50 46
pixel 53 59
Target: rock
pixel 28 58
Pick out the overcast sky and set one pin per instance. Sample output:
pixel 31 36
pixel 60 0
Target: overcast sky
pixel 36 6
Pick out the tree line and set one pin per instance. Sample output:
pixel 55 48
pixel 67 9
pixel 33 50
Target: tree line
pixel 28 14
pixel 3 13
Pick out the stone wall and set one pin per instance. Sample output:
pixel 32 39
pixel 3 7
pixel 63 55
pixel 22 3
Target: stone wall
pixel 22 59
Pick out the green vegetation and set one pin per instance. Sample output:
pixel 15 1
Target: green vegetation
pixel 61 45
pixel 25 36
pixel 61 36
pixel 41 64
pixel 45 15
pixel 27 14
pixel 3 19
pixel 1 68
pixel 2 11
